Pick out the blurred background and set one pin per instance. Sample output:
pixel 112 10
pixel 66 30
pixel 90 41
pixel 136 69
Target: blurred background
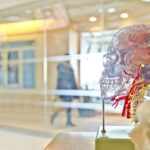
pixel 34 36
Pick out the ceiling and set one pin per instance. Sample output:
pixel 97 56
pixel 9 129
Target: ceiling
pixel 77 12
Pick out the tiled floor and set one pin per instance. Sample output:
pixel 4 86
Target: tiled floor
pixel 29 128
pixel 34 118
pixel 14 140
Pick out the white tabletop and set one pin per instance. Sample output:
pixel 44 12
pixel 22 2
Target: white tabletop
pixel 85 140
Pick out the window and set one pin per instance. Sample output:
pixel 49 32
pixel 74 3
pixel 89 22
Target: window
pixel 94 45
pixel 15 69
pixel 13 73
pixel 1 70
pixel 28 70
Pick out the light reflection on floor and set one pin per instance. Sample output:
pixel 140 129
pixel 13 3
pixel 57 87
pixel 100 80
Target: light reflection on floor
pixel 25 128
pixel 13 140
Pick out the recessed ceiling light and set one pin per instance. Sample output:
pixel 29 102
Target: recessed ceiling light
pixel 146 0
pixel 93 19
pixel 111 10
pixel 124 15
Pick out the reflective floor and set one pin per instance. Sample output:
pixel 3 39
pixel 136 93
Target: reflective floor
pixel 28 127
pixel 34 119
pixel 16 140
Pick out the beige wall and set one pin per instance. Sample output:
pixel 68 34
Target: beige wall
pixel 10 94
pixel 60 42
pixel 57 44
pixel 38 51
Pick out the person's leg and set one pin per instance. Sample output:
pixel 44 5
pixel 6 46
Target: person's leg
pixel 53 117
pixel 69 117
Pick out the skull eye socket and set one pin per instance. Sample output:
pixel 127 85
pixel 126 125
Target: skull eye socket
pixel 110 58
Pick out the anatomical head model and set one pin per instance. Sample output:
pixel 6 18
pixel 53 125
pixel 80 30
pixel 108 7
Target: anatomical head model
pixel 127 60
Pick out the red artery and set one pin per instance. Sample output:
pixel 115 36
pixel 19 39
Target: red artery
pixel 127 98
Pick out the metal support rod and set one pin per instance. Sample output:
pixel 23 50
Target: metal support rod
pixel 103 131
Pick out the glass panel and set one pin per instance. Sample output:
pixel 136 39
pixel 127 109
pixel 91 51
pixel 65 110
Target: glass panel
pixel 13 73
pixel 28 54
pixel 28 70
pixel 33 47
pixel 12 55
pixel 1 70
pixel 19 44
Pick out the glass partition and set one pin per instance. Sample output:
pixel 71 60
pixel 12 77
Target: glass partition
pixel 33 57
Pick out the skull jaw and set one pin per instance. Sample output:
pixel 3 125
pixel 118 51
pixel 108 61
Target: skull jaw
pixel 110 87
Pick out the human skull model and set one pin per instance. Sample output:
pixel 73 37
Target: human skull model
pixel 129 48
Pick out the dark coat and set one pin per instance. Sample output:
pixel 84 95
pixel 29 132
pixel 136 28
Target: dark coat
pixel 66 80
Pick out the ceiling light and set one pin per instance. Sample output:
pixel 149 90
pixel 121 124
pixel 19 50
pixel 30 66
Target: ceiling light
pixel 92 19
pixel 111 10
pixel 124 15
pixel 146 0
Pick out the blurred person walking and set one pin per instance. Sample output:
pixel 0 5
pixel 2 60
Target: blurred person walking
pixel 65 80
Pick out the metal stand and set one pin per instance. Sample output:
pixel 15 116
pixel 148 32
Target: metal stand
pixel 103 131
pixel 104 142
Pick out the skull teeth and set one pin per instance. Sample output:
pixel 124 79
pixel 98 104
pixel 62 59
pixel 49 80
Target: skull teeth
pixel 109 83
